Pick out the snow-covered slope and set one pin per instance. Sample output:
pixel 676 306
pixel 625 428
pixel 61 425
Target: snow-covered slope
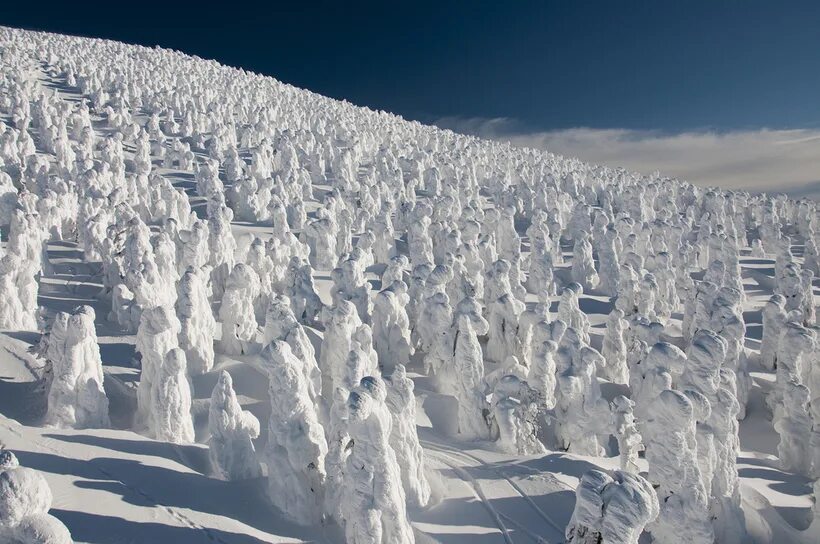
pixel 123 166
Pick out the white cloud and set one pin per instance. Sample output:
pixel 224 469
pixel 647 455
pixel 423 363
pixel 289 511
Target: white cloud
pixel 756 160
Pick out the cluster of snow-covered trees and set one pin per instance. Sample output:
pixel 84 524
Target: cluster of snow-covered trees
pixel 612 508
pixel 466 240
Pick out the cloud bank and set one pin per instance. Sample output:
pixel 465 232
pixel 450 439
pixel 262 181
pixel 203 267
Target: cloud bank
pixel 755 160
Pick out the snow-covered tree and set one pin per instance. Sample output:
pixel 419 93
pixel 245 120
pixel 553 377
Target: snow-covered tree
pixel 16 275
pixel 349 283
pixel 25 499
pixel 626 432
pixel 581 413
pixel 171 400
pixel 468 367
pixel 570 312
pixel 793 423
pixel 296 449
pixel 661 367
pixel 583 267
pixel 157 335
pixel 471 307
pixel 391 327
pixel 232 431
pixel 614 348
pixel 795 356
pixel 541 277
pixel 404 438
pixel 362 344
pixel 774 320
pixel 320 234
pixel 727 321
pixel 728 517
pixel 609 269
pixel 281 324
pixel 503 333
pixel 396 270
pixel 541 376
pixel 52 346
pixel 701 383
pixel 125 311
pixel 221 248
pixel 673 470
pixel 434 328
pixel 515 411
pixel 611 509
pixel 528 320
pixel 194 250
pixel 76 397
pixel 301 290
pixel 197 323
pixel 239 326
pixel 336 345
pixel 373 503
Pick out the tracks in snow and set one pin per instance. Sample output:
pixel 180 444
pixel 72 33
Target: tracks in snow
pixel 41 445
pixel 458 460
pixel 477 491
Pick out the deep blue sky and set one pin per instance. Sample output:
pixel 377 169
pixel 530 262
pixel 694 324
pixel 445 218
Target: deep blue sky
pixel 667 65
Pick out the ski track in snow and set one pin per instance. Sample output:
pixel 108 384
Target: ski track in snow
pixel 449 455
pixel 478 492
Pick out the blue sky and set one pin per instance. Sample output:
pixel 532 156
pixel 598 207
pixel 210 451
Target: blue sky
pixel 601 80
